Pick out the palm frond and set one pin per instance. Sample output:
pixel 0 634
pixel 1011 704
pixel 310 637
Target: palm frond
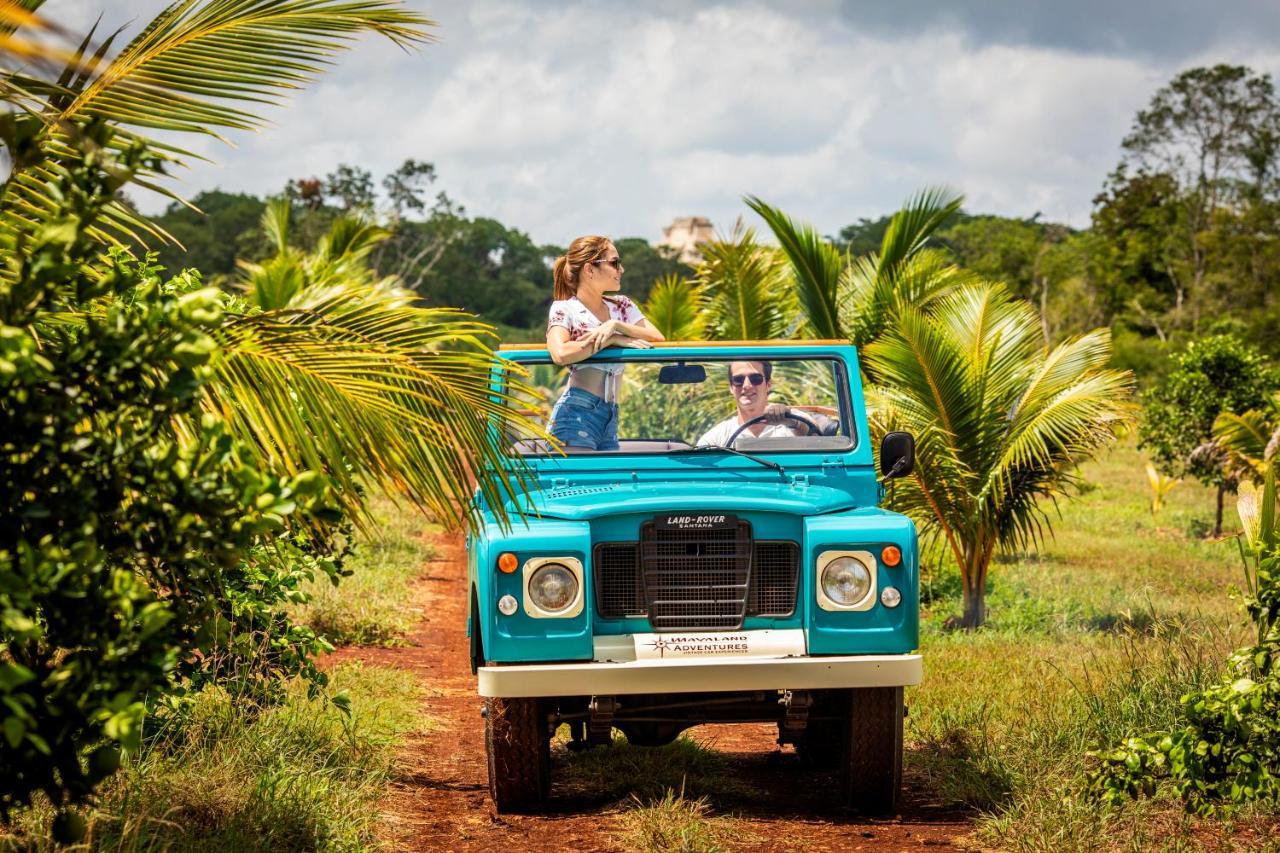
pixel 675 307
pixel 912 226
pixel 276 219
pixel 1249 440
pixel 195 69
pixel 816 268
pixel 361 384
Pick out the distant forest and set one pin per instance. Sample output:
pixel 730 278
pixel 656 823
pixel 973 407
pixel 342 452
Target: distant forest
pixel 1183 240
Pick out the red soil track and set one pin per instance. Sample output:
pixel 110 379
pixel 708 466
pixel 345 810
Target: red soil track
pixel 441 802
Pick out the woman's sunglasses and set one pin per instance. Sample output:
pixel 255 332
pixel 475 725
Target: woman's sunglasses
pixel 739 379
pixel 616 263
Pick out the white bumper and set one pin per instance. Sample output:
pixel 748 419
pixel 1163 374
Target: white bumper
pixel 699 675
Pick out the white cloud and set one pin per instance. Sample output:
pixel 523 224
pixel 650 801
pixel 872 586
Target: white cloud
pixel 605 117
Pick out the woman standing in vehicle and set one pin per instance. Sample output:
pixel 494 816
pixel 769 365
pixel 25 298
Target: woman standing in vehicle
pixel 583 321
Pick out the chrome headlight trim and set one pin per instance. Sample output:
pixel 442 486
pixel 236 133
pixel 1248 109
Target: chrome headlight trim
pixel 868 561
pixel 531 607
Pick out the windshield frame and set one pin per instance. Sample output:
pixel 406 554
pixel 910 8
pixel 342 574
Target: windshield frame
pixel 841 357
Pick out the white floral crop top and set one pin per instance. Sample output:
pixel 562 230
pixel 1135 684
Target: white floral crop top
pixel 578 319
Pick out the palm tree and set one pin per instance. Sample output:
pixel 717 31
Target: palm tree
pixel 325 367
pixel 746 294
pixel 857 298
pixel 1000 420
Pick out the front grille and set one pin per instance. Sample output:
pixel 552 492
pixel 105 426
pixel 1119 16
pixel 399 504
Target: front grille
pixel 617 580
pixel 695 579
pixel 621 591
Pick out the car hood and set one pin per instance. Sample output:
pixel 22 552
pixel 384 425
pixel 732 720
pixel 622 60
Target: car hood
pixel 575 502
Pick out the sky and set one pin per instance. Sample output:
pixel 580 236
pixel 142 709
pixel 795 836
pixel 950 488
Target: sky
pixel 614 117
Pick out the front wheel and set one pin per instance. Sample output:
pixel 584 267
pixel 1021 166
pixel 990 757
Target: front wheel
pixel 519 750
pixel 872 778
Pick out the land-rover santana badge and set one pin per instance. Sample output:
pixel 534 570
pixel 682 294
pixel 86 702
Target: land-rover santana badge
pixel 697 521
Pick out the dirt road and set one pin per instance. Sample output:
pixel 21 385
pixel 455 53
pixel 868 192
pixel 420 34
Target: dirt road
pixel 442 803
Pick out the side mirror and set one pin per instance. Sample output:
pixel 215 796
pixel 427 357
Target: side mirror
pixel 897 455
pixel 682 374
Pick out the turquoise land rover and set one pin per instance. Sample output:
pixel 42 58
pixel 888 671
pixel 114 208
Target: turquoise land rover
pixel 706 571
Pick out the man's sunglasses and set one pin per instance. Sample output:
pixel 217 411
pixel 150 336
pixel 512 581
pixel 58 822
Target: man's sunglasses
pixel 740 378
pixel 616 263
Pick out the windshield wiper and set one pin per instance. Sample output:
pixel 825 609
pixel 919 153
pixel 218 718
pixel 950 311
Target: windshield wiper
pixel 712 448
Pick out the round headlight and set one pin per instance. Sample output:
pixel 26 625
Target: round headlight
pixel 846 581
pixel 553 588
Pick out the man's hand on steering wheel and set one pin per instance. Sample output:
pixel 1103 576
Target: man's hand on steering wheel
pixel 776 413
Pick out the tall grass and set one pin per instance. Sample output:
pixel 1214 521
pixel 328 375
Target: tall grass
pixel 374 607
pixel 223 777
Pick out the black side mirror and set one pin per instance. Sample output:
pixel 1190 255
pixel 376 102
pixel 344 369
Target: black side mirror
pixel 682 374
pixel 897 454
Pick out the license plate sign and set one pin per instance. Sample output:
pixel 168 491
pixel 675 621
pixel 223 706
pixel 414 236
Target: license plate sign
pixel 765 643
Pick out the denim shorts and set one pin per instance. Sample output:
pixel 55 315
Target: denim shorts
pixel 581 419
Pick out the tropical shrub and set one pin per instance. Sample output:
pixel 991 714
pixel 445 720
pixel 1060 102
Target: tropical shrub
pixel 1214 375
pixel 131 553
pixel 1228 750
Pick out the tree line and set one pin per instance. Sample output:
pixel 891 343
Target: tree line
pixel 1182 240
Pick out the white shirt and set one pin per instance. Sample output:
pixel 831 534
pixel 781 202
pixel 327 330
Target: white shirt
pixel 577 318
pixel 720 434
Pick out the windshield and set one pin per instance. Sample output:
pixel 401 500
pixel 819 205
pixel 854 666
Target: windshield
pixel 664 406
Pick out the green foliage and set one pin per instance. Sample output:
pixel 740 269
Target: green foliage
pixel 677 309
pixel 211 238
pixel 225 776
pixel 646 266
pixel 1213 375
pixel 874 288
pixel 744 283
pixel 1227 748
pixel 131 553
pixel 1250 440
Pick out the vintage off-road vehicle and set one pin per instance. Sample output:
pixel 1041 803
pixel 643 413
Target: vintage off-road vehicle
pixel 676 582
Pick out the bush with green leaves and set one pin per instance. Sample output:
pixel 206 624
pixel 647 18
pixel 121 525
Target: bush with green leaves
pixel 1228 749
pixel 1215 374
pixel 139 551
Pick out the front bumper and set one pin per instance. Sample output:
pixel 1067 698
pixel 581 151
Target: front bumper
pixel 699 675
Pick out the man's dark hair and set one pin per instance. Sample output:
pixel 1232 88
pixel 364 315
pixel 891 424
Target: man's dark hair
pixel 765 367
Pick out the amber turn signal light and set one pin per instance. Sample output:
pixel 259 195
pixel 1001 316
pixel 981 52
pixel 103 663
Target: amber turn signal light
pixel 507 562
pixel 891 556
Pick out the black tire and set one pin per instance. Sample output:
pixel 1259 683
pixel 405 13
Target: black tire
pixel 519 751
pixel 872 778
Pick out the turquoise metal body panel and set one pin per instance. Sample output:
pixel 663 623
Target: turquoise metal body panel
pixel 824 501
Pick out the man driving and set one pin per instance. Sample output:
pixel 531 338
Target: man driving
pixel 750 383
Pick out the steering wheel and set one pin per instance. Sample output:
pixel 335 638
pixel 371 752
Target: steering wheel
pixel 810 427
